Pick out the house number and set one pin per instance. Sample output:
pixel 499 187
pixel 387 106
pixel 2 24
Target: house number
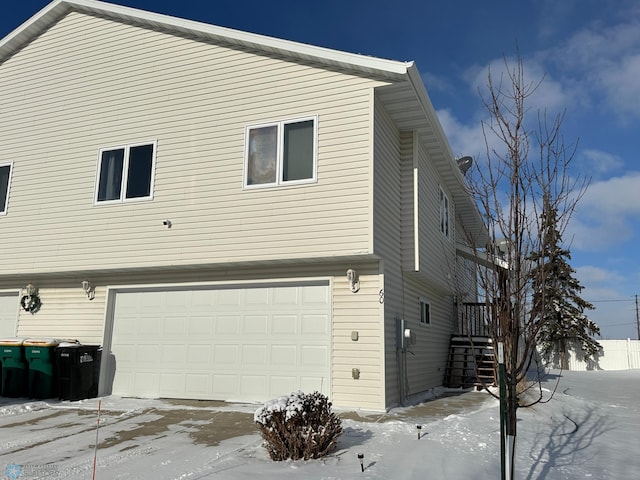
pixel 381 295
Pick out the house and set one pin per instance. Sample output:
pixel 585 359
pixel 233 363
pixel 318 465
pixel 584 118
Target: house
pixel 231 216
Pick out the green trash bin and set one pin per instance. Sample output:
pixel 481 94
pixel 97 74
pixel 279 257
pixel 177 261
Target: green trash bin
pixel 14 380
pixel 40 355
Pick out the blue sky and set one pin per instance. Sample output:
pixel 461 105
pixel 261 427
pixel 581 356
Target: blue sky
pixel 588 50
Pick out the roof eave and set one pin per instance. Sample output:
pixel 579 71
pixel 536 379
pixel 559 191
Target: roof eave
pixel 378 67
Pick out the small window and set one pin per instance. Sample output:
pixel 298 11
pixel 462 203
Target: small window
pixel 125 173
pixel 5 181
pixel 444 215
pixel 281 153
pixel 425 313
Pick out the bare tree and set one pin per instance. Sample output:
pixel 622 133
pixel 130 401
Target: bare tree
pixel 526 172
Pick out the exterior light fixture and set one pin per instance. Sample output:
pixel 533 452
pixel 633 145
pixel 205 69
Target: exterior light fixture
pixel 354 280
pixel 89 289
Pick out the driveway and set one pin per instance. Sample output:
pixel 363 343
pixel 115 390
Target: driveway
pixel 48 439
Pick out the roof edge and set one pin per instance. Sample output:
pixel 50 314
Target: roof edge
pixel 58 8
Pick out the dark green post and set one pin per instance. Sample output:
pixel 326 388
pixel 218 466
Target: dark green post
pixel 503 411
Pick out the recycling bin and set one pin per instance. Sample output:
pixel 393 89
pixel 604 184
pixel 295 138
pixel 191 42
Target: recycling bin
pixel 40 355
pixel 78 370
pixel 14 379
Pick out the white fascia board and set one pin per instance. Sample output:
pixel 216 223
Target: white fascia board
pixel 49 14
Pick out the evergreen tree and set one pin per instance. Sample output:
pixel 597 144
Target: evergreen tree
pixel 556 298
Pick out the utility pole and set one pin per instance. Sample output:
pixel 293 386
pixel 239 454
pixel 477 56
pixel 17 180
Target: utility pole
pixel 637 317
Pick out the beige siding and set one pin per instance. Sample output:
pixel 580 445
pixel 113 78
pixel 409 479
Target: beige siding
pixel 88 83
pixel 66 312
pixel 437 253
pixel 388 237
pixel 407 235
pixel 425 368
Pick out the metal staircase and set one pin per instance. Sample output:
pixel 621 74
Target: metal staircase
pixel 471 362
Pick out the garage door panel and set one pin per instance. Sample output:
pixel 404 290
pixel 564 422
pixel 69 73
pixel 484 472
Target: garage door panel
pixel 147 326
pixel 8 314
pixel 255 324
pixel 200 384
pixel 310 384
pixel 314 356
pixel 284 324
pixel 225 385
pixel 173 355
pixel 286 296
pixel 242 344
pixel 172 383
pixel 226 355
pixel 254 355
pixel 315 324
pixel 145 384
pixel 283 384
pixel 200 326
pixel 199 355
pixel 253 386
pixel 284 355
pixel 317 295
pixel 256 297
pixel 227 324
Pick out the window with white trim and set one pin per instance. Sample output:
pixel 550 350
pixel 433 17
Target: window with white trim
pixel 445 227
pixel 125 173
pixel 425 312
pixel 5 182
pixel 281 153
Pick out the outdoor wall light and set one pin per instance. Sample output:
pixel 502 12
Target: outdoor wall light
pixel 30 301
pixel 89 289
pixel 354 280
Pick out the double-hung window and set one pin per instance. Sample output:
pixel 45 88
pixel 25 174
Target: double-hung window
pixel 5 181
pixel 281 153
pixel 125 173
pixel 445 226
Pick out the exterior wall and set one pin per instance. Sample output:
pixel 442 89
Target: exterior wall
pixel 437 263
pixel 66 312
pixel 425 368
pixel 388 238
pixel 88 83
pixel 420 264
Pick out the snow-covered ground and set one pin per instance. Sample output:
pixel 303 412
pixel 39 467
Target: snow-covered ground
pixel 590 429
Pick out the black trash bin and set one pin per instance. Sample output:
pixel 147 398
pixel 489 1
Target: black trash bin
pixel 78 371
pixel 14 381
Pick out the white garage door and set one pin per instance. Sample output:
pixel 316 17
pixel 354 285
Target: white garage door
pixel 239 343
pixel 8 314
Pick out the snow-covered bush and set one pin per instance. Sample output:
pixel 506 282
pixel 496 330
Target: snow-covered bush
pixel 300 425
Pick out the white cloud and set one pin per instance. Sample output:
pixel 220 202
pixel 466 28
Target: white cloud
pixel 464 139
pixel 605 216
pixel 546 93
pixel 598 162
pixel 604 60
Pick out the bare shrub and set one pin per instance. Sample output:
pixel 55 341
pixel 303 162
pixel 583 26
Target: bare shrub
pixel 300 425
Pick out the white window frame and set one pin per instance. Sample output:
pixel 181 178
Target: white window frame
pixel 280 153
pixel 6 200
pixel 425 321
pixel 444 216
pixel 125 173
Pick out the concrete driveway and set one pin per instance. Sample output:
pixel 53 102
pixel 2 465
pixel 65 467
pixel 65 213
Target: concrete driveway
pixel 60 436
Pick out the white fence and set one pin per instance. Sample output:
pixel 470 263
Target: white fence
pixel 615 355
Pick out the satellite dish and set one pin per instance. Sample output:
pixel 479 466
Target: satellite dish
pixel 464 163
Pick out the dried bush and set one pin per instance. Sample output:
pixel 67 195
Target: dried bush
pixel 300 425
